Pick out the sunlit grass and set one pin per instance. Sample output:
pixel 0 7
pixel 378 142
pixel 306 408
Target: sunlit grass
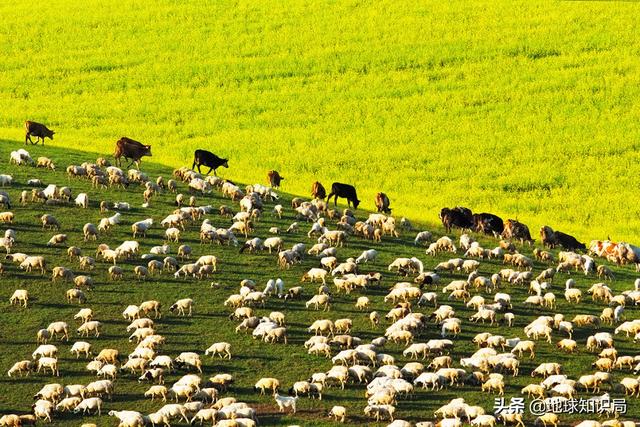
pixel 251 359
pixel 525 109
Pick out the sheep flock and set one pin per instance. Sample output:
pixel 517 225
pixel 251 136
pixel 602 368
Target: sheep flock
pixel 167 298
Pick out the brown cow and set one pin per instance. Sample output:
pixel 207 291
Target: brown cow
pixel 318 191
pixel 548 237
pixel 382 203
pixel 38 130
pixel 514 229
pixel 131 150
pixel 274 178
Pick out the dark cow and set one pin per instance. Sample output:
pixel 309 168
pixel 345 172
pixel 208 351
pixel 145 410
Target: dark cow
pixel 459 216
pixel 382 203
pixel 207 158
pixel 318 191
pixel 38 130
pixel 131 150
pixel 274 178
pixel 488 224
pixel 568 242
pixel 345 191
pixel 516 230
pixel 548 237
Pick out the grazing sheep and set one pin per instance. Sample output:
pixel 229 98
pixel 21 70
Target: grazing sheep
pixel 11 420
pixel 315 275
pixel 157 391
pixel 89 327
pixel 22 367
pixel 6 217
pixel 20 296
pixel 43 336
pixel 181 306
pixel 267 384
pixel 108 355
pixel 223 349
pixel 6 180
pixel 61 328
pixel 51 363
pixel 141 227
pixel 319 300
pixel 380 412
pixel 57 239
pixel 85 314
pixel 88 405
pixel 81 347
pixel 184 252
pixel 49 221
pixel 189 359
pixel 31 262
pixel 362 303
pixel 604 272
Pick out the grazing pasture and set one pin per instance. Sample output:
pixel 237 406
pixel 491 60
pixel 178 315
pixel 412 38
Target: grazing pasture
pixel 527 109
pixel 252 359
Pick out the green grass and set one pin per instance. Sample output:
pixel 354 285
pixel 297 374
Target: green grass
pixel 525 109
pixel 251 359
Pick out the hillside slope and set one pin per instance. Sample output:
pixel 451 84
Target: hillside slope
pixel 526 110
pixel 252 358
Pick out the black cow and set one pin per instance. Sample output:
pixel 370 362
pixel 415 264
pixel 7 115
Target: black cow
pixel 488 224
pixel 568 242
pixel 457 217
pixel 38 130
pixel 345 191
pixel 207 158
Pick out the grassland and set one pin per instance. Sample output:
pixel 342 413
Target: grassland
pixel 525 109
pixel 209 323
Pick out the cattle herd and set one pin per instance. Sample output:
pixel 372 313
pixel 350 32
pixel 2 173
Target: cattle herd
pixel 422 329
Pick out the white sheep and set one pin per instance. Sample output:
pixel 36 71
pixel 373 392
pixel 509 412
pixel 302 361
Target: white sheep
pixel 223 349
pixel 7 243
pixel 84 314
pixel 88 405
pixel 128 418
pixel 6 180
pixel 82 200
pixel 286 402
pixel 43 409
pixel 20 296
pixel 51 363
pixel 366 256
pixel 158 391
pixel 162 361
pixel 81 347
pixel 172 234
pixel 141 227
pixel 109 370
pixel 23 366
pixel 190 359
pixel 42 336
pixel 131 312
pixel 181 306
pixel 56 328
